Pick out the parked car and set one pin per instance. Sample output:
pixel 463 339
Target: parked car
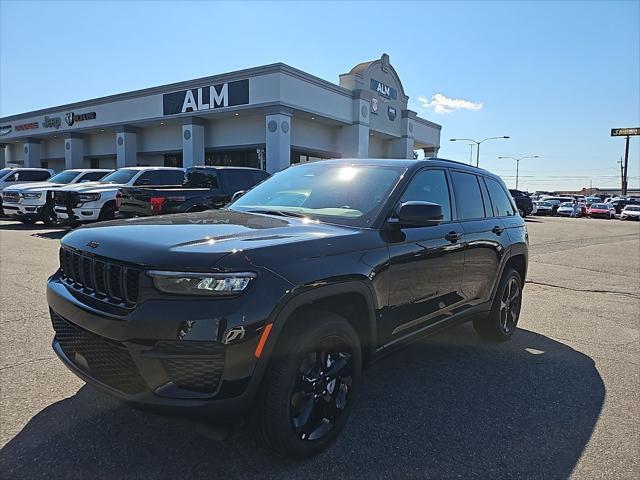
pixel 565 209
pixel 203 188
pixel 277 302
pixel 544 207
pixel 602 210
pixel 13 176
pixel 630 212
pixel 523 202
pixel 97 200
pixel 619 204
pixel 593 199
pixel 28 202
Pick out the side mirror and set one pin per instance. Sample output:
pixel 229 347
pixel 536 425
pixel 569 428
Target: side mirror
pixel 237 195
pixel 418 214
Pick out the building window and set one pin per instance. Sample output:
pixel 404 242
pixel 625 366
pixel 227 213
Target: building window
pixel 250 157
pixel 301 156
pixel 173 160
pixel 44 164
pixel 94 163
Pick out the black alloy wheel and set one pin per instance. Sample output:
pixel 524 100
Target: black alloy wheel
pixel 510 304
pixel 502 320
pixel 321 392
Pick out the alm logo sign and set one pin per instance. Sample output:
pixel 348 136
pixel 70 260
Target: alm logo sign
pixel 229 94
pixel 384 90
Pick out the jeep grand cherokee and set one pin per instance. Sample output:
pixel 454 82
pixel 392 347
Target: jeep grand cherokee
pixel 275 304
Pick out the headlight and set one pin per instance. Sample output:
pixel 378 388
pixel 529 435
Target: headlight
pixel 88 197
pixel 210 284
pixel 31 195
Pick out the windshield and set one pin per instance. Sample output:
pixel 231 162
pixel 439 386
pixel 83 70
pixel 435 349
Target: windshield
pixel 567 204
pixel 120 176
pixel 631 208
pixel 544 204
pixel 4 171
pixel 64 177
pixel 601 206
pixel 335 193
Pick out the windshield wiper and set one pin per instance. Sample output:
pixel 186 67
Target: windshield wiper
pixel 281 213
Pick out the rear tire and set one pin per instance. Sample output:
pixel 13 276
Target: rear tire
pixel 310 386
pixel 502 321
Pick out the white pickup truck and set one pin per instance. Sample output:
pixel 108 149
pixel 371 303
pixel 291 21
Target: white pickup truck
pixel 27 202
pixel 97 201
pixel 17 175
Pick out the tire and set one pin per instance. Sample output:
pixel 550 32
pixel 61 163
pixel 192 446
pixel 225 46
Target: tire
pixel 302 412
pixel 27 221
pixel 502 321
pixel 108 212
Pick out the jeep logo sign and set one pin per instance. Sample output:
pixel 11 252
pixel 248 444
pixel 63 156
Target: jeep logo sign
pixel 222 95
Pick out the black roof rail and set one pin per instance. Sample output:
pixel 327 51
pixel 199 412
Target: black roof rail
pixel 452 161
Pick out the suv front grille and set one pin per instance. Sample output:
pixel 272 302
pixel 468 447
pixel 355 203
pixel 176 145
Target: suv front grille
pixel 107 361
pixel 106 280
pixel 65 199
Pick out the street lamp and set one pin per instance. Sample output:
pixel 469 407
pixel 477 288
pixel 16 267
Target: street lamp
pixel 517 159
pixel 477 144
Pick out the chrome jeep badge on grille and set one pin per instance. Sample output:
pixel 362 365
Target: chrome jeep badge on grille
pixel 93 244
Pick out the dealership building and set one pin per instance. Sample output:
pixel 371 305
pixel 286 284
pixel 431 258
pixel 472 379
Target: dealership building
pixel 267 117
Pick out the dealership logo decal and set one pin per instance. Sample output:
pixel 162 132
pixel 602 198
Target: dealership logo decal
pixel 72 118
pixel 5 130
pixel 391 111
pixel 26 126
pixel 374 105
pixel 211 97
pixel 52 122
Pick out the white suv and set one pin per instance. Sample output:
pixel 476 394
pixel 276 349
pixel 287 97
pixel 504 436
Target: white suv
pixel 97 200
pixel 29 202
pixel 14 176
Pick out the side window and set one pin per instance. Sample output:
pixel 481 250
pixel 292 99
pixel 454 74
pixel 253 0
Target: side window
pixel 201 178
pixel 237 180
pixel 11 178
pixel 468 196
pixel 485 198
pixel 172 177
pixel 92 176
pixel 152 177
pixel 257 177
pixel 430 186
pixel 502 204
pixel 33 176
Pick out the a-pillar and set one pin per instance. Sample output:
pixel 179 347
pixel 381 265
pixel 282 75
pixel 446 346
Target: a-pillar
pixel 403 147
pixel 126 147
pixel 73 151
pixel 278 138
pixel 31 150
pixel 354 138
pixel 193 142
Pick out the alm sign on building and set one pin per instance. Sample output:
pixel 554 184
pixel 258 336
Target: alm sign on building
pixel 199 99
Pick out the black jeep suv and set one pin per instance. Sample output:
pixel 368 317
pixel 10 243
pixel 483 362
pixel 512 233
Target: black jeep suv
pixel 274 305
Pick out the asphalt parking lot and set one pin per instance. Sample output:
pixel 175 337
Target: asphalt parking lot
pixel 559 400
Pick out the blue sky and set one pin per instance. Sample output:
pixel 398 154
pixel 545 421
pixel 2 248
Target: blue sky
pixel 555 76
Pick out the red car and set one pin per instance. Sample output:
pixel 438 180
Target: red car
pixel 601 210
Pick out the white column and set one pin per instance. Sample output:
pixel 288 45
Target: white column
pixel 193 143
pixel 73 152
pixel 31 150
pixel 403 147
pixel 354 138
pixel 126 148
pixel 278 140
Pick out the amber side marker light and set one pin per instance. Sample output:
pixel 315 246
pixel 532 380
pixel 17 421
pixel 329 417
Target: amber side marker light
pixel 263 339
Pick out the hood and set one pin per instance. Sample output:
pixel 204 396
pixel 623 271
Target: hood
pixel 39 187
pixel 196 241
pixel 92 187
pixel 26 186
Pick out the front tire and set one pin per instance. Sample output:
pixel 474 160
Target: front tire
pixel 108 212
pixel 311 384
pixel 502 321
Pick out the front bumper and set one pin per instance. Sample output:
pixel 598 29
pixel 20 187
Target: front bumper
pixel 22 210
pixel 145 357
pixel 80 214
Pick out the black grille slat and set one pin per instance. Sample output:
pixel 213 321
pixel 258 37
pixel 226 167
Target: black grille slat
pixel 102 279
pixel 107 361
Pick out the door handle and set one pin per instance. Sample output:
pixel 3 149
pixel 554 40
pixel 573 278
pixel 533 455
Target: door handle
pixel 453 236
pixel 497 230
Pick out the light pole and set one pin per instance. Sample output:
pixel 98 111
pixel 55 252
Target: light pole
pixel 471 154
pixel 477 142
pixel 517 159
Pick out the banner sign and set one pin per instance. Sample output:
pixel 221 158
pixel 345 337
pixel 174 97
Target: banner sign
pixel 623 132
pixel 384 90
pixel 222 95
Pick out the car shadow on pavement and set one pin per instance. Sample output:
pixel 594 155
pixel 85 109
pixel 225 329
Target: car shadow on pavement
pixel 447 407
